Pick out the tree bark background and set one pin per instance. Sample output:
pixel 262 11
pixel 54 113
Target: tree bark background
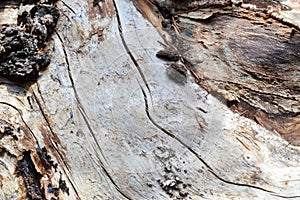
pixel 108 119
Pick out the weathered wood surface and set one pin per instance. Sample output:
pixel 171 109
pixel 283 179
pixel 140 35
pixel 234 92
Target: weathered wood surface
pixel 121 123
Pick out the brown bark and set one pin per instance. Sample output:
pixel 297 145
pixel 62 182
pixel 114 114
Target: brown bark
pixel 150 100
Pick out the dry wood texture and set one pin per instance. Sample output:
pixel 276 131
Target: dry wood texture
pixel 149 99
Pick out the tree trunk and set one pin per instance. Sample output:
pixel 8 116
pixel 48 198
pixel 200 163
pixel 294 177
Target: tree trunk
pixel 149 99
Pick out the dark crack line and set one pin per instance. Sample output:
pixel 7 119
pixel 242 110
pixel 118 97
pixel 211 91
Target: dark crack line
pixel 95 166
pixel 21 115
pixel 61 157
pixel 166 131
pixel 39 91
pixel 97 155
pixel 69 7
pixel 127 48
pixel 199 157
pixel 86 120
pixel 189 148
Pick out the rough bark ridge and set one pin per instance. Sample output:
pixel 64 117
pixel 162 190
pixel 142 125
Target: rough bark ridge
pixel 244 55
pixel 138 99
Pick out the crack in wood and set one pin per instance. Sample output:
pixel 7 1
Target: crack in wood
pixel 69 7
pixel 54 140
pixel 210 169
pixel 21 116
pixel 128 50
pixel 36 169
pixel 86 120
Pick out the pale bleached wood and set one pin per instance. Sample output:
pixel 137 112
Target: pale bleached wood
pixel 89 109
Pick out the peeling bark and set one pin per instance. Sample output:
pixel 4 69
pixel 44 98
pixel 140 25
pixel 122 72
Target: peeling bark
pixel 246 58
pixel 151 100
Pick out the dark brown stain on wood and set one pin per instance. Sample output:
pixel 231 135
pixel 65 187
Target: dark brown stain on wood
pixel 250 62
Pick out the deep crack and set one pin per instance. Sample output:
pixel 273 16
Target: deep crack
pixel 86 120
pixel 210 169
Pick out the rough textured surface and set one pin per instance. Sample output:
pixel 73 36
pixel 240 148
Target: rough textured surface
pixel 247 58
pixel 109 120
pixel 22 54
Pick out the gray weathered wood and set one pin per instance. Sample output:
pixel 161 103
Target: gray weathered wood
pixel 121 124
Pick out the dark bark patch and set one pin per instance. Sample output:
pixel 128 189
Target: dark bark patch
pixel 45 159
pixel 63 186
pixel 168 55
pixel 22 46
pixel 31 178
pixel 32 168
